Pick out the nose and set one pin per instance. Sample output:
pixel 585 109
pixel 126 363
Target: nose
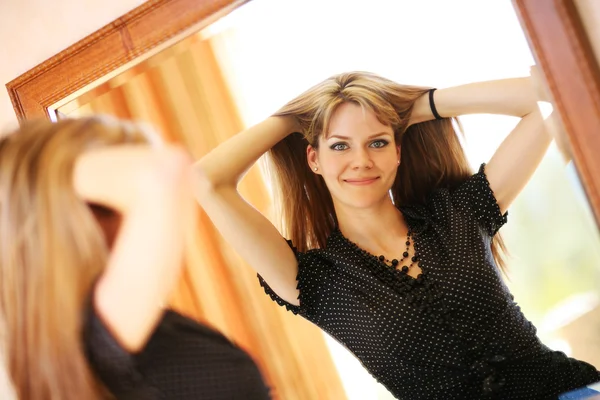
pixel 362 159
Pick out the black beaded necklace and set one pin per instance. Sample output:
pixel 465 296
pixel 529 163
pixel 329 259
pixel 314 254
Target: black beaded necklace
pixel 394 263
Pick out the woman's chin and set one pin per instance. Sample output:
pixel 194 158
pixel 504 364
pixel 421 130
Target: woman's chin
pixel 367 202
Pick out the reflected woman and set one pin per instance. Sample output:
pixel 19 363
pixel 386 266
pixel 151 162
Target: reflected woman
pixel 392 241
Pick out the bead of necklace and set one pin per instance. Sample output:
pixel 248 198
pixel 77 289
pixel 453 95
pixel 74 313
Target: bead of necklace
pixel 404 266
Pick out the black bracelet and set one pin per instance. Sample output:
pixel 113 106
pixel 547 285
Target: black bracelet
pixel 432 104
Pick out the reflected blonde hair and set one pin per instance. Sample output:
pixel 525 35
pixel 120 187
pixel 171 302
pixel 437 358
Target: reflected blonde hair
pixel 431 152
pixel 51 251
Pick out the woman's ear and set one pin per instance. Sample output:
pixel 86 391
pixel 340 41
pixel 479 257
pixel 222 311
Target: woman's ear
pixel 399 154
pixel 311 157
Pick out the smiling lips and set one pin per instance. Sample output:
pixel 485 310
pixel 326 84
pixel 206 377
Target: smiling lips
pixel 361 181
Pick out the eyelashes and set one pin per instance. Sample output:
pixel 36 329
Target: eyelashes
pixel 375 144
pixel 338 146
pixel 380 143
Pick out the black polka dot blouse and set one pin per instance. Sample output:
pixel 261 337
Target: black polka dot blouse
pixel 453 333
pixel 183 360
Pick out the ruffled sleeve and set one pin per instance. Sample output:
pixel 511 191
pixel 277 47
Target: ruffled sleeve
pixel 116 368
pixel 312 275
pixel 476 200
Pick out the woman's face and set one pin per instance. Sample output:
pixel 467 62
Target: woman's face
pixel 357 158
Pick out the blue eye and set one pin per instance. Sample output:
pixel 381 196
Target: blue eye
pixel 379 143
pixel 339 146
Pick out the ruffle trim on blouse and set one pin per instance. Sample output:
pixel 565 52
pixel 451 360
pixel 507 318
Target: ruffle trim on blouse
pixel 421 293
pixel 300 286
pixel 499 219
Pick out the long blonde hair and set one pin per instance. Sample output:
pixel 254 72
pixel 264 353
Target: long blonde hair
pixel 432 155
pixel 51 251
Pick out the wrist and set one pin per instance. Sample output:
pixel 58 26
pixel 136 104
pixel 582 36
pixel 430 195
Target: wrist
pixel 514 97
pixel 421 110
pixel 285 124
pixel 120 176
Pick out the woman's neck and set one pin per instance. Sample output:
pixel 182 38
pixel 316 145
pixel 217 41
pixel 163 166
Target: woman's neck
pixel 371 226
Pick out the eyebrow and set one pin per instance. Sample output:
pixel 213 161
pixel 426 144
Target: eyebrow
pixel 348 138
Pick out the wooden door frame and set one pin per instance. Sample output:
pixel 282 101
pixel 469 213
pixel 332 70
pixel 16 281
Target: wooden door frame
pixel 562 49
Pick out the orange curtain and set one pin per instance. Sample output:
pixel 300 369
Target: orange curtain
pixel 182 92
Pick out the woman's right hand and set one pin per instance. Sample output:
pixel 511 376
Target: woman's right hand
pixel 121 176
pixel 293 123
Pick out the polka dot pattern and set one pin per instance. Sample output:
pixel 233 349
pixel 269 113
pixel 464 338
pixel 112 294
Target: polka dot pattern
pixel 183 360
pixel 455 333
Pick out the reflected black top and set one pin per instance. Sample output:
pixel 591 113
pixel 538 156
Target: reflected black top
pixel 454 333
pixel 183 360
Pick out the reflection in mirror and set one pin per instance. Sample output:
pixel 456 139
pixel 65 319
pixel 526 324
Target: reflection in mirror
pixel 242 68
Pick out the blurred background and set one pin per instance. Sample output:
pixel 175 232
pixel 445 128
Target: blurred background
pixel 243 67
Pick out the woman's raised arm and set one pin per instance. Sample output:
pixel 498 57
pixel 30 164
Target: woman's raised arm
pixel 519 155
pixel 250 233
pixel 150 189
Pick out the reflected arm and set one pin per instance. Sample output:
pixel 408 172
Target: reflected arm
pixel 517 158
pixel 514 97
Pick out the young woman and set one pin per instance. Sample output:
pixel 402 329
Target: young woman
pixel 393 244
pixel 91 241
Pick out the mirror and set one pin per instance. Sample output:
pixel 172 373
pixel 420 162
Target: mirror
pixel 217 76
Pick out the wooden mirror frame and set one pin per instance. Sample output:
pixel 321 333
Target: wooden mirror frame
pixel 128 40
pixel 554 30
pixel 561 46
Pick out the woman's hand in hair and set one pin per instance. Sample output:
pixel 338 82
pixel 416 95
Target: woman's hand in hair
pixel 537 79
pixel 294 123
pixel 121 176
pixel 552 122
pixel 150 188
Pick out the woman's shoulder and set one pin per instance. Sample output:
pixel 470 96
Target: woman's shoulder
pixel 318 255
pixel 177 323
pixel 469 199
pixel 104 349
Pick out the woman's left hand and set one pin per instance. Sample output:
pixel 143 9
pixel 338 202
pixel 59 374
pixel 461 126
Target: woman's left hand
pixel 539 84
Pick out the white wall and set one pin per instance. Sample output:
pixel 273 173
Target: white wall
pixel 32 31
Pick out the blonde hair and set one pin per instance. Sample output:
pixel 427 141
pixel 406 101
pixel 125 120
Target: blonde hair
pixel 432 155
pixel 51 251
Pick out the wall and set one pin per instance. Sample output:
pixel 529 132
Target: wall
pixel 32 31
